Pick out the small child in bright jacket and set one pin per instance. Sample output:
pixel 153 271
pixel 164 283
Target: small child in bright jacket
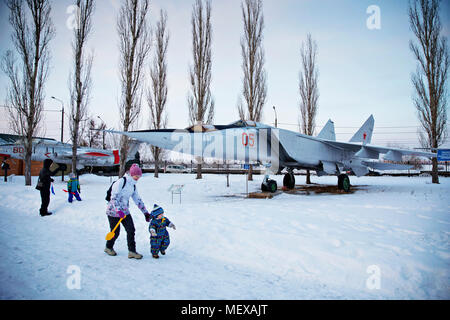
pixel 159 237
pixel 73 187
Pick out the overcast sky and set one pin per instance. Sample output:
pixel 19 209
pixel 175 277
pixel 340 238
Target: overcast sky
pixel 362 71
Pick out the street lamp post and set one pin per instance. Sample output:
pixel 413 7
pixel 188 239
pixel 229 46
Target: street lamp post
pixel 275 110
pixel 62 117
pixel 103 137
pixel 62 127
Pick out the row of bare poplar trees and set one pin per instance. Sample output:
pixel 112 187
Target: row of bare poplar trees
pixel 31 39
pixel 33 30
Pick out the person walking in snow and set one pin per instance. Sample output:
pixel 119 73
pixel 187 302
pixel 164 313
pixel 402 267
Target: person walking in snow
pixel 117 208
pixel 5 168
pixel 44 184
pixel 73 187
pixel 159 236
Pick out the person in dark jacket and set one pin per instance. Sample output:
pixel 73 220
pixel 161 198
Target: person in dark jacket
pixel 44 184
pixel 5 167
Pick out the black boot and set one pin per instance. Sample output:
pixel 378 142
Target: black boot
pixel 155 256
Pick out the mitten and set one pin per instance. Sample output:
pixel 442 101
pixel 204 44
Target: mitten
pixel 153 232
pixel 121 213
pixel 171 225
pixel 147 216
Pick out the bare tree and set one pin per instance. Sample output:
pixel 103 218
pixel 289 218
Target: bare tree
pixel 90 134
pixel 80 81
pixel 134 45
pixel 200 101
pixel 254 83
pixel 430 78
pixel 157 94
pixel 32 32
pixel 309 91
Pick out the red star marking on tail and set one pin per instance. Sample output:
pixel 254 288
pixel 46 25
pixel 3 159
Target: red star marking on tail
pixel 364 136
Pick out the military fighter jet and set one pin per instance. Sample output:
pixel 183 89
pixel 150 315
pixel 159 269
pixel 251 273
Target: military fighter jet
pixel 253 142
pixel 46 148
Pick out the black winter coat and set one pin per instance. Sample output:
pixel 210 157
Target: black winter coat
pixel 45 175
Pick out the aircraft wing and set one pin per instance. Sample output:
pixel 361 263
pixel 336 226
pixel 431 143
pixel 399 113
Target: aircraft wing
pixel 386 166
pixel 372 152
pixel 403 152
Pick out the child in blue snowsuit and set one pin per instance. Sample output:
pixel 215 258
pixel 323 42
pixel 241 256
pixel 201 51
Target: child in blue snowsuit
pixel 159 237
pixel 73 187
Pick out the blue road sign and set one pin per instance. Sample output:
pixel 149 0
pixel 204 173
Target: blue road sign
pixel 443 155
pixel 246 166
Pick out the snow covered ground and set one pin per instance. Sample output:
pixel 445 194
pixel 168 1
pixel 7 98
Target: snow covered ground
pixel 388 240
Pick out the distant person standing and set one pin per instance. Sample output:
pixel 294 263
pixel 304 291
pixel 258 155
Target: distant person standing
pixel 5 168
pixel 44 184
pixel 73 188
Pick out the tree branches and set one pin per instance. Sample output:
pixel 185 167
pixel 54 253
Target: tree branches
pixel 308 86
pixel 134 46
pixel 254 83
pixel 32 31
pixel 430 78
pixel 200 101
pixel 80 81
pixel 157 94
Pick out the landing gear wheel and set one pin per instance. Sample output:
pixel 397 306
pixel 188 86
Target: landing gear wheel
pixel 289 180
pixel 272 184
pixel 344 182
pixel 269 185
pixel 264 187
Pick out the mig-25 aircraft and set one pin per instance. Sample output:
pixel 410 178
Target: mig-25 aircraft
pixel 253 142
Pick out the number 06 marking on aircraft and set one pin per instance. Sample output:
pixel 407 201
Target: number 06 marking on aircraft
pixel 248 139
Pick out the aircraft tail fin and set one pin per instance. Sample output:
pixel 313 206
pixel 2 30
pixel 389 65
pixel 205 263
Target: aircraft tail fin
pixel 327 131
pixel 364 134
pixel 116 156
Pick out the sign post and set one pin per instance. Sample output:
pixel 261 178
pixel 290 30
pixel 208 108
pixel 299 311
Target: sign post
pixel 246 167
pixel 176 189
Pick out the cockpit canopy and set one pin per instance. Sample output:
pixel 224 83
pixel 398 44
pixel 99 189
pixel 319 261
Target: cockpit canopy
pixel 235 124
pixel 247 123
pixel 243 123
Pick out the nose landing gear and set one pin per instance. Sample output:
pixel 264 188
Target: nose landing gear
pixel 269 185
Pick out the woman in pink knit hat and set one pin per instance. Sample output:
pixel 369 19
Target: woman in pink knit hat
pixel 117 208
